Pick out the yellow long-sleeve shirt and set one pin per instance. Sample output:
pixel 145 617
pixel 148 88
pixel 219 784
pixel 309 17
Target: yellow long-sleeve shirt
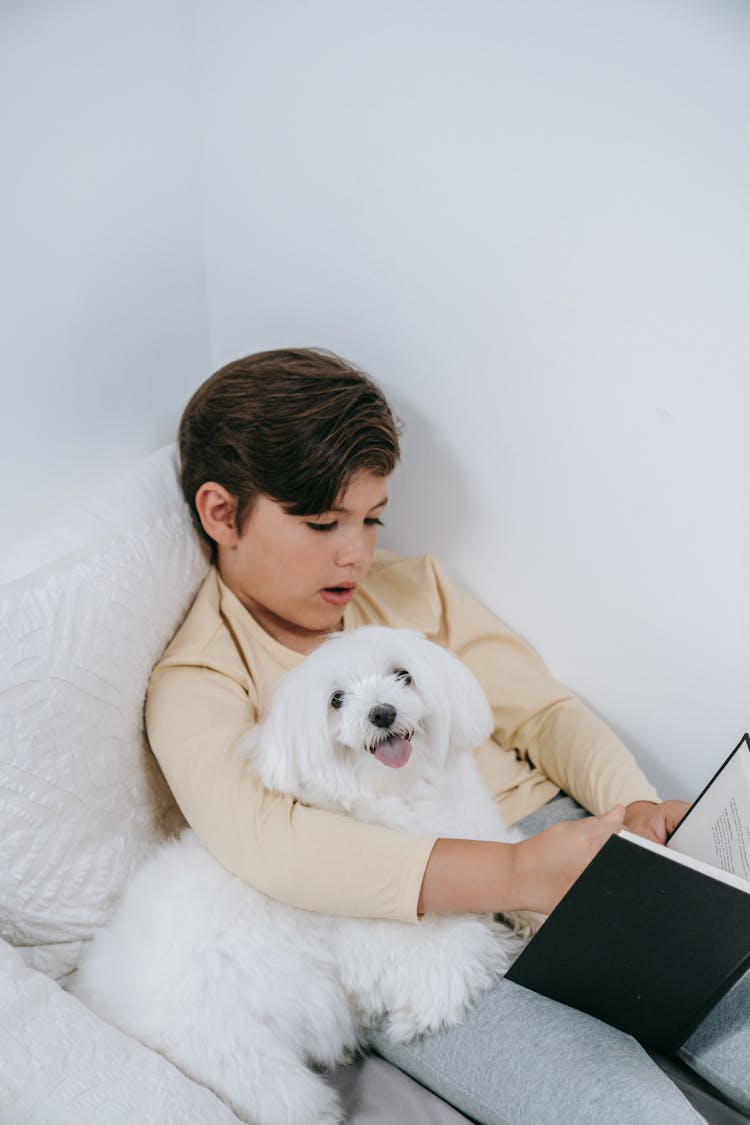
pixel 215 681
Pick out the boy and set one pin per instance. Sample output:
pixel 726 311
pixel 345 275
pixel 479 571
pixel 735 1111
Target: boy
pixel 286 458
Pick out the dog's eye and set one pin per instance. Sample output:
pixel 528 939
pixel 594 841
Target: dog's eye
pixel 337 700
pixel 403 676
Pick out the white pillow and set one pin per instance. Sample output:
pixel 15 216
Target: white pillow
pixel 86 608
pixel 60 1063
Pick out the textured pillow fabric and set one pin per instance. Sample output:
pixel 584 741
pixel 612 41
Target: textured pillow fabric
pixel 60 1063
pixel 85 611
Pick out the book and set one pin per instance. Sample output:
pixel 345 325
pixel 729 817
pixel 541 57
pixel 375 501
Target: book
pixel 651 936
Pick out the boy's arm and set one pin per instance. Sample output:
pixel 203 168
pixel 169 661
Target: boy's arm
pixel 473 875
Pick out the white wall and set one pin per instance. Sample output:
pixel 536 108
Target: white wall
pixel 102 286
pixel 529 222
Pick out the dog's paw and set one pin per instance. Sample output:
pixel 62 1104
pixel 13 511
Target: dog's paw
pixel 307 1099
pixel 438 973
pixel 439 1009
pixel 334 1115
pixel 408 1021
pixel 319 1106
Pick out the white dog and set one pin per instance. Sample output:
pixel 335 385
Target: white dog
pixel 245 994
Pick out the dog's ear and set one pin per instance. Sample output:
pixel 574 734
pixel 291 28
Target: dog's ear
pixel 471 715
pixel 294 735
pixel 465 706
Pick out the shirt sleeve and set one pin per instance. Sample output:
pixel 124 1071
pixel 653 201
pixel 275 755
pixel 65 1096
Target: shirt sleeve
pixel 195 717
pixel 536 717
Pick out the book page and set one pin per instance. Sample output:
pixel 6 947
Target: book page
pixel 717 827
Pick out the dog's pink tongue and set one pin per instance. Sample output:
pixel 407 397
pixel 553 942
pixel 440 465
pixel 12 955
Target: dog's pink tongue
pixel 394 752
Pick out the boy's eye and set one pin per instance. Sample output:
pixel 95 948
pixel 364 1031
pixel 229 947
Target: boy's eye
pixel 370 521
pixel 403 676
pixel 337 700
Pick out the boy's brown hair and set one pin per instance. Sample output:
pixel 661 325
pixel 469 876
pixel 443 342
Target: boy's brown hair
pixel 295 425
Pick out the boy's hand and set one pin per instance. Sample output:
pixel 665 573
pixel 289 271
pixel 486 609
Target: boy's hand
pixel 654 821
pixel 547 865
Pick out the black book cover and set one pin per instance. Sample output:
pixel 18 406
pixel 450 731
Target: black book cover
pixel 642 942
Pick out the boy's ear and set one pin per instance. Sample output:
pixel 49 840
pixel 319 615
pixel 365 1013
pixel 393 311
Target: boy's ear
pixel 217 509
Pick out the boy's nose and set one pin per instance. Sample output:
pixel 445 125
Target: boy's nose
pixel 382 714
pixel 354 550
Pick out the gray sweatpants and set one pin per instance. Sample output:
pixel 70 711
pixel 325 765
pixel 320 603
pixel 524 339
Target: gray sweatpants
pixel 521 1059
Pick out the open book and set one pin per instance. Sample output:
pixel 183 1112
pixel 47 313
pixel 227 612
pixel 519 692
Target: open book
pixel 650 937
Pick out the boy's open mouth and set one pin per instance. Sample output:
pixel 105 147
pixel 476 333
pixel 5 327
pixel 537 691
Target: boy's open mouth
pixel 338 595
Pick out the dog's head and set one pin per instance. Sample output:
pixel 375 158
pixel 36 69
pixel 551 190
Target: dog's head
pixel 369 712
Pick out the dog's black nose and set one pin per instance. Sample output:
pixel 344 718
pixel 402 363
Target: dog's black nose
pixel 382 714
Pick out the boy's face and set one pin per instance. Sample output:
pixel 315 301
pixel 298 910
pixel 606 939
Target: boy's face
pixel 297 573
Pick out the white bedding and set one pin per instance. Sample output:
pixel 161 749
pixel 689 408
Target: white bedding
pixel 61 1064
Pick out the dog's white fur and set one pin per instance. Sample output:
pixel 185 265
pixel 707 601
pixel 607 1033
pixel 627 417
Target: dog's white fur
pixel 242 992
